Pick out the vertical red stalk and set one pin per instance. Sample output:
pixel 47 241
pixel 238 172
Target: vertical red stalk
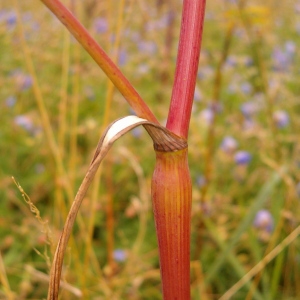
pixel 171 196
pixel 171 183
pixel 186 66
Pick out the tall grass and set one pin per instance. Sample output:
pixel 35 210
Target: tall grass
pixel 231 257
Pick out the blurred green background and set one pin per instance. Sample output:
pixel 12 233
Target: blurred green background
pixel 244 149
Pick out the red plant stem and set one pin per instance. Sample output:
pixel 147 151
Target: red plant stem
pixel 186 67
pixel 171 197
pixel 101 58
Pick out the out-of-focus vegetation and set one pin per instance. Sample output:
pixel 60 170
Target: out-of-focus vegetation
pixel 244 147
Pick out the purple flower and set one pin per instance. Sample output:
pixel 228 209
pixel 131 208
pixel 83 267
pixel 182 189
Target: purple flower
pixel 229 144
pixel 119 255
pixel 158 24
pixel 205 72
pixel 24 122
pixel 137 132
pixel 89 93
pixel 100 25
pixel 249 108
pixel 242 157
pixel 10 101
pixel 207 115
pixel 281 118
pixel 264 220
pixel 298 189
pixel 201 181
pixel 147 47
pixel 216 107
pixel 23 81
pixel 290 47
pixel 9 17
pixel 143 68
pixel 283 58
pixel 122 57
pixel 246 88
pixel 248 61
pixel 132 112
pixel 197 95
pixel 297 27
pixel 231 61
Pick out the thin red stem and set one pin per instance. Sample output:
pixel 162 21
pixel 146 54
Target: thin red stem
pixel 101 58
pixel 186 66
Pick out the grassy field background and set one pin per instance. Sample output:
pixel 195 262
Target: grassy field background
pixel 244 149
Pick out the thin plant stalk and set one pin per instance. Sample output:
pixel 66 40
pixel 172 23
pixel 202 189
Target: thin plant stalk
pixel 101 58
pixel 96 185
pixel 210 138
pixel 4 281
pixel 171 183
pixel 186 67
pixel 130 270
pixel 62 121
pixel 261 265
pixel 257 49
pixel 74 116
pixel 110 220
pixel 258 58
pixel 45 120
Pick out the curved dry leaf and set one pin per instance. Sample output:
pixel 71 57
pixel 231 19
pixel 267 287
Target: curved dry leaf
pixel 163 140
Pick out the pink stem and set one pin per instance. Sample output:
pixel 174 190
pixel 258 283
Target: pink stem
pixel 101 58
pixel 186 67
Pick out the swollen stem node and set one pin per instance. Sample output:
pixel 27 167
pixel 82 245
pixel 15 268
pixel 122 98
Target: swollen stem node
pixel 172 197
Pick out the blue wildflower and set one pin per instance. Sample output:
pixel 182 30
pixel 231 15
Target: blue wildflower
pixel 24 121
pixel 147 47
pixel 201 181
pixel 23 81
pixel 205 72
pixel 11 19
pixel 119 255
pixel 249 108
pixel 143 68
pixel 231 61
pixel 100 25
pixel 137 132
pixel 10 101
pixel 282 59
pixel 246 88
pixel 264 220
pixel 229 144
pixel 290 47
pixel 281 118
pixel 298 189
pixel 122 57
pixel 242 157
pixel 249 124
pixel 207 115
pixel 197 94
